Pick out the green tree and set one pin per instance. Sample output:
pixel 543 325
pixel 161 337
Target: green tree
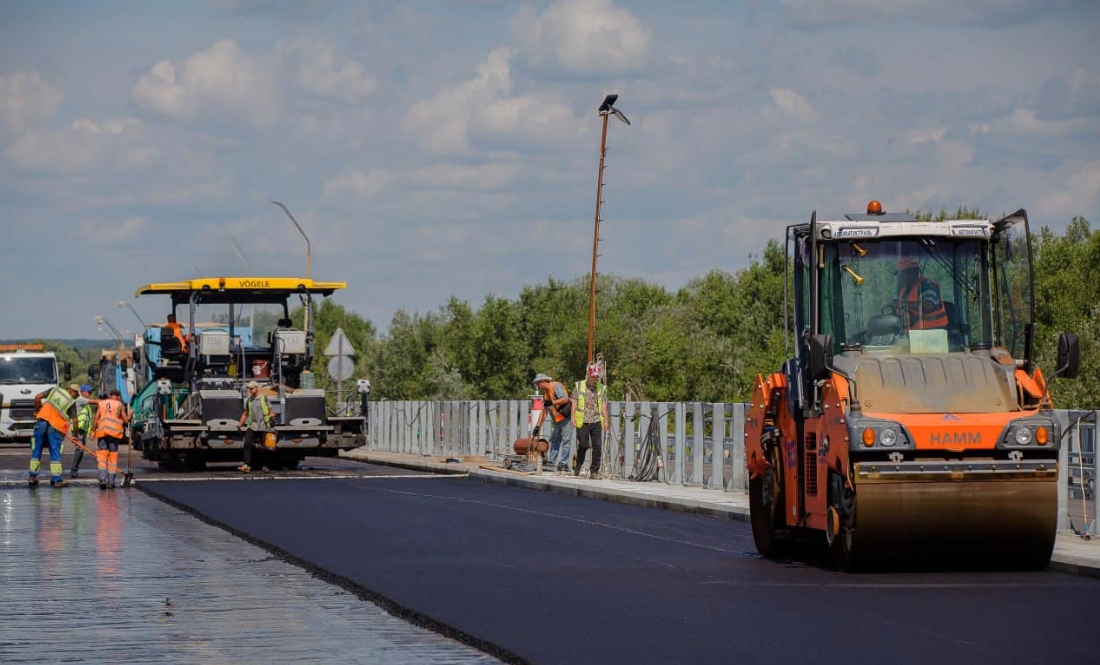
pixel 1067 299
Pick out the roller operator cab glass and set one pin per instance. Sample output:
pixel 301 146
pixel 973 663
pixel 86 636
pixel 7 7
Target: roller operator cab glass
pixel 906 295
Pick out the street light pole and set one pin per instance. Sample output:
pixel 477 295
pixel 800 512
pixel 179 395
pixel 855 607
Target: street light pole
pixel 123 303
pixel 605 109
pixel 104 321
pixel 299 226
pixel 251 273
pixel 299 231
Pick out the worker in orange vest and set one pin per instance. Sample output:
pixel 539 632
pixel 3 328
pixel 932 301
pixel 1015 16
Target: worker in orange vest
pixel 109 426
pixel 555 400
pixel 177 332
pixel 54 410
pixel 919 302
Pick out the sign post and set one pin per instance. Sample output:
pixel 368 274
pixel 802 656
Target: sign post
pixel 341 366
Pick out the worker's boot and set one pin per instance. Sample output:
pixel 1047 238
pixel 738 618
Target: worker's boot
pixel 111 481
pixel 32 481
pixel 59 483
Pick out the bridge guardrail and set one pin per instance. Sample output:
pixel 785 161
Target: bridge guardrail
pixel 686 434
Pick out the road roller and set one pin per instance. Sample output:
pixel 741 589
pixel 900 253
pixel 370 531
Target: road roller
pixel 909 421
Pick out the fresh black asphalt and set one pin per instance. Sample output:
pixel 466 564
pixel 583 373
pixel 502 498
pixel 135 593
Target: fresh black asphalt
pixel 543 578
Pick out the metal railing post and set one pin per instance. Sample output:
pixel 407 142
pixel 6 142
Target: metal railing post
pixel 717 445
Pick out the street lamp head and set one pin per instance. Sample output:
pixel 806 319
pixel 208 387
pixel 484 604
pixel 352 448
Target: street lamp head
pixel 608 102
pixel 608 108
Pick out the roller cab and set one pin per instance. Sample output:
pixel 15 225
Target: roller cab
pixel 909 421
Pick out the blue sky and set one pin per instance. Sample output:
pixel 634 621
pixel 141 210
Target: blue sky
pixel 440 148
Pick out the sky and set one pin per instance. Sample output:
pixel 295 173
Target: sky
pixel 431 149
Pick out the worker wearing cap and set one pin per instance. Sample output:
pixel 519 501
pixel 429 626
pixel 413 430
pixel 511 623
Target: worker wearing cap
pixel 257 414
pixel 590 417
pixel 85 413
pixel 555 400
pixel 109 427
pixel 54 409
pixel 919 301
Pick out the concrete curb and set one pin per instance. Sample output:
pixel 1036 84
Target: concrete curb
pixel 593 490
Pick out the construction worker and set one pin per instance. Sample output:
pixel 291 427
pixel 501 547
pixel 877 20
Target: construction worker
pixel 257 414
pixel 556 402
pixel 919 303
pixel 85 413
pixel 177 332
pixel 109 426
pixel 54 409
pixel 590 417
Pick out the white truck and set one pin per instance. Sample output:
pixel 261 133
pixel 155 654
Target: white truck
pixel 25 371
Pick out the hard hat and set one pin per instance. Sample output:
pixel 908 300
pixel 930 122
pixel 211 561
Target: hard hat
pixel 253 384
pixel 539 378
pixel 85 388
pixel 74 387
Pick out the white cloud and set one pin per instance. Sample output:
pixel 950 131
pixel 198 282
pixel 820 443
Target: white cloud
pixel 976 13
pixel 485 106
pixel 222 80
pixel 1079 192
pixel 583 37
pixel 483 177
pixel 318 70
pixel 26 97
pixel 107 232
pixel 932 135
pixel 77 150
pixel 792 104
pixel 357 184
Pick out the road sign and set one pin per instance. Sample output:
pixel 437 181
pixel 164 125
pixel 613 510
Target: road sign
pixel 341 368
pixel 339 345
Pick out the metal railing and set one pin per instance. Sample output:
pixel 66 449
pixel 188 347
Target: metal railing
pixel 698 444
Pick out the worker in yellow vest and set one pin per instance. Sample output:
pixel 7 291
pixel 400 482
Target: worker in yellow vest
pixel 54 409
pixel 590 417
pixel 109 426
pixel 85 414
pixel 258 415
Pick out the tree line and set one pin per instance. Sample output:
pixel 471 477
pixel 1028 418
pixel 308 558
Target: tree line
pixel 706 341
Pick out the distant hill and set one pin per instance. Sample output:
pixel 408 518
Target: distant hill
pixel 74 343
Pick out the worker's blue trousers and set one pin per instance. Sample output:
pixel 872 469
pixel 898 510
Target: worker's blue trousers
pixel 46 434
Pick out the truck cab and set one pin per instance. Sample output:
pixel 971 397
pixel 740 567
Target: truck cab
pixel 25 371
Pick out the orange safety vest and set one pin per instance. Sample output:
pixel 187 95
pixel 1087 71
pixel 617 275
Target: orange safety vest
pixel 110 418
pixel 918 319
pixel 177 332
pixel 53 404
pixel 549 396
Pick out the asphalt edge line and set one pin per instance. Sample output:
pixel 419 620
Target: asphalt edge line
pixel 391 606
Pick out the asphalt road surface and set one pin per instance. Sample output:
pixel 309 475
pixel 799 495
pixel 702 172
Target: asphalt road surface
pixel 538 577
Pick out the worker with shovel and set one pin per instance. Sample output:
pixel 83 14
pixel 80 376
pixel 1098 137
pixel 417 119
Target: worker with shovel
pixel 555 399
